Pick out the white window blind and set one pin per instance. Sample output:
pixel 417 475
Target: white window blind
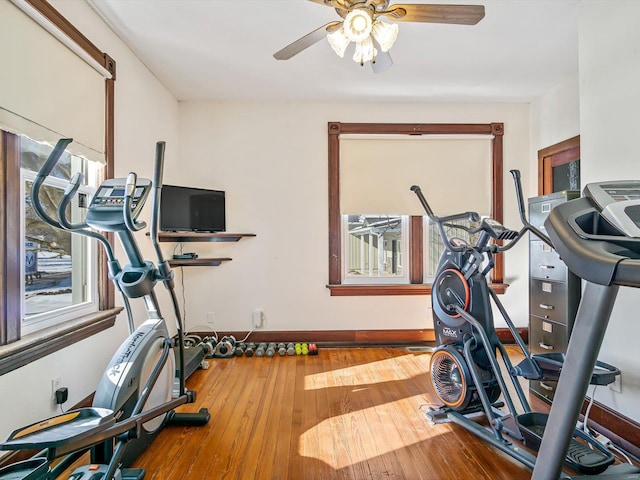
pixel 376 173
pixel 47 91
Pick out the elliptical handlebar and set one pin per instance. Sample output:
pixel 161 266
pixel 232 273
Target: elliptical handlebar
pixel 166 274
pixel 521 210
pixel 440 221
pixel 519 196
pixel 158 172
pixel 513 237
pixel 416 189
pixel 74 184
pixel 129 189
pixel 43 173
pixel 471 216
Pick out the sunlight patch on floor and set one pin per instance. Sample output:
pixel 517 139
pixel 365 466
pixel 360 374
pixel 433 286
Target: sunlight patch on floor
pixel 354 437
pixel 366 374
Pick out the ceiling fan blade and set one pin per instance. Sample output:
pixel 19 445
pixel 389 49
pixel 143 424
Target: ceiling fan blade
pixel 305 42
pixel 457 14
pixel 383 62
pixel 330 3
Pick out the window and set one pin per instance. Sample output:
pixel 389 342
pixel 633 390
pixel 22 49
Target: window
pixel 59 267
pixel 79 103
pixel 418 254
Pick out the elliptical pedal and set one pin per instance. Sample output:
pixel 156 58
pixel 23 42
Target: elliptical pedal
pixel 582 458
pixel 589 458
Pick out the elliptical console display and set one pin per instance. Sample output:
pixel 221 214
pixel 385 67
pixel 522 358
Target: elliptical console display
pixel 105 210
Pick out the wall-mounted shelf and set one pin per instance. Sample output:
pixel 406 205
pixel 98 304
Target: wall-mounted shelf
pixel 201 236
pixel 198 262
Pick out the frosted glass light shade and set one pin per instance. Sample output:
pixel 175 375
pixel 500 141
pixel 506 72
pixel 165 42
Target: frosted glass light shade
pixel 357 25
pixel 339 41
pixel 360 27
pixel 365 51
pixel 385 34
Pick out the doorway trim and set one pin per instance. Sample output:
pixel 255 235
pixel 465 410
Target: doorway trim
pixel 549 157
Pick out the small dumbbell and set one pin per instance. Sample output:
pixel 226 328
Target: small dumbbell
pixel 313 349
pixel 291 350
pixel 271 350
pixel 240 347
pixel 211 345
pixel 250 349
pixel 282 350
pixel 207 348
pixel 261 349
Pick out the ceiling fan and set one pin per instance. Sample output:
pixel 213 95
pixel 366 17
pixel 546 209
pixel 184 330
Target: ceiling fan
pixel 362 24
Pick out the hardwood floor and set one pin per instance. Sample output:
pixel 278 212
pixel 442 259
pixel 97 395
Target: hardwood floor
pixel 346 413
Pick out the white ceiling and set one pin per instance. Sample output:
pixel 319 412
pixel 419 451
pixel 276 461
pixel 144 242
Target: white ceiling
pixel 223 50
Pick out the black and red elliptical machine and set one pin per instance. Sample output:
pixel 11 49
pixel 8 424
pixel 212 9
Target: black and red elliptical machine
pixel 467 365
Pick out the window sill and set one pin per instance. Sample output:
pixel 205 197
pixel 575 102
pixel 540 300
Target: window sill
pixel 39 344
pixel 375 290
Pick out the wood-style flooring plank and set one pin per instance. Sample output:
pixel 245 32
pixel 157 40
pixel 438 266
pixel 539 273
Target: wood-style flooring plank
pixel 344 414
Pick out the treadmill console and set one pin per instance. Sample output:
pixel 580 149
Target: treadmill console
pixel 619 203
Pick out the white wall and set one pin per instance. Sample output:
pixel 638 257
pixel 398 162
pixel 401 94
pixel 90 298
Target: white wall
pixel 271 159
pixel 145 112
pixel 559 113
pixel 610 122
pixel 555 117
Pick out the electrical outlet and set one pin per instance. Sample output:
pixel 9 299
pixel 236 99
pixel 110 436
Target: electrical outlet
pixel 56 383
pixel 211 318
pixel 258 318
pixel 616 386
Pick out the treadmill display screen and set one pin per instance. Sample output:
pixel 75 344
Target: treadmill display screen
pixel 623 194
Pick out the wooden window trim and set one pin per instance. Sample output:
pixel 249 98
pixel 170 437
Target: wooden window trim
pixel 416 274
pixel 10 302
pixel 552 156
pixel 42 343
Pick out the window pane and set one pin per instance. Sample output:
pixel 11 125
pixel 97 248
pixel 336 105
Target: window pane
pixel 55 260
pixel 57 269
pixel 566 176
pixel 374 246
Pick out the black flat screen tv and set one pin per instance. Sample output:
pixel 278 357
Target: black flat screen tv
pixel 187 209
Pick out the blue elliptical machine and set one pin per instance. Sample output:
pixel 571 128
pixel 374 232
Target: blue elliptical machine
pixel 141 385
pixel 465 371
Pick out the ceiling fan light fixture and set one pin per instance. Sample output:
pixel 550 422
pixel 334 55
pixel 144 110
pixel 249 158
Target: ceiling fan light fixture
pixel 339 41
pixel 365 51
pixel 358 24
pixel 385 34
